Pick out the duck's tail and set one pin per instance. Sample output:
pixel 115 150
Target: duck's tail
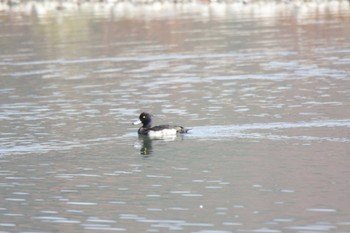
pixel 181 129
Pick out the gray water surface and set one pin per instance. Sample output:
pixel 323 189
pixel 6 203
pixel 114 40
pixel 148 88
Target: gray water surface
pixel 263 87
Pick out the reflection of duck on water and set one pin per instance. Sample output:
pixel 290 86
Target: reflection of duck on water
pixel 146 148
pixel 146 143
pixel 147 133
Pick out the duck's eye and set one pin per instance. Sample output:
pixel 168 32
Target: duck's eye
pixel 143 116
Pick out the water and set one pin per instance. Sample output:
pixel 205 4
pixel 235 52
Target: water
pixel 264 87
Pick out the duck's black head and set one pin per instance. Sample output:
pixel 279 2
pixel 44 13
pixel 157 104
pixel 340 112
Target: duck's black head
pixel 145 119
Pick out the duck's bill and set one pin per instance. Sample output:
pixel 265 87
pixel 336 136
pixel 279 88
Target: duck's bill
pixel 137 122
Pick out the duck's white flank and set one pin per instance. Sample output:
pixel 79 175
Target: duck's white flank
pixel 162 133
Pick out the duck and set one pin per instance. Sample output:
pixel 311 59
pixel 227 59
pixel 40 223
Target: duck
pixel 157 131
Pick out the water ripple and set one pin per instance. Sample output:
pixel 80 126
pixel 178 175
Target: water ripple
pixel 240 131
pixel 145 58
pixel 199 132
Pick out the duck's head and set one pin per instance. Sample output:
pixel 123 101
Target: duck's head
pixel 144 118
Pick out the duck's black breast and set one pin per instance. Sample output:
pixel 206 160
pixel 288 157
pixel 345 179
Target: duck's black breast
pixel 143 131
